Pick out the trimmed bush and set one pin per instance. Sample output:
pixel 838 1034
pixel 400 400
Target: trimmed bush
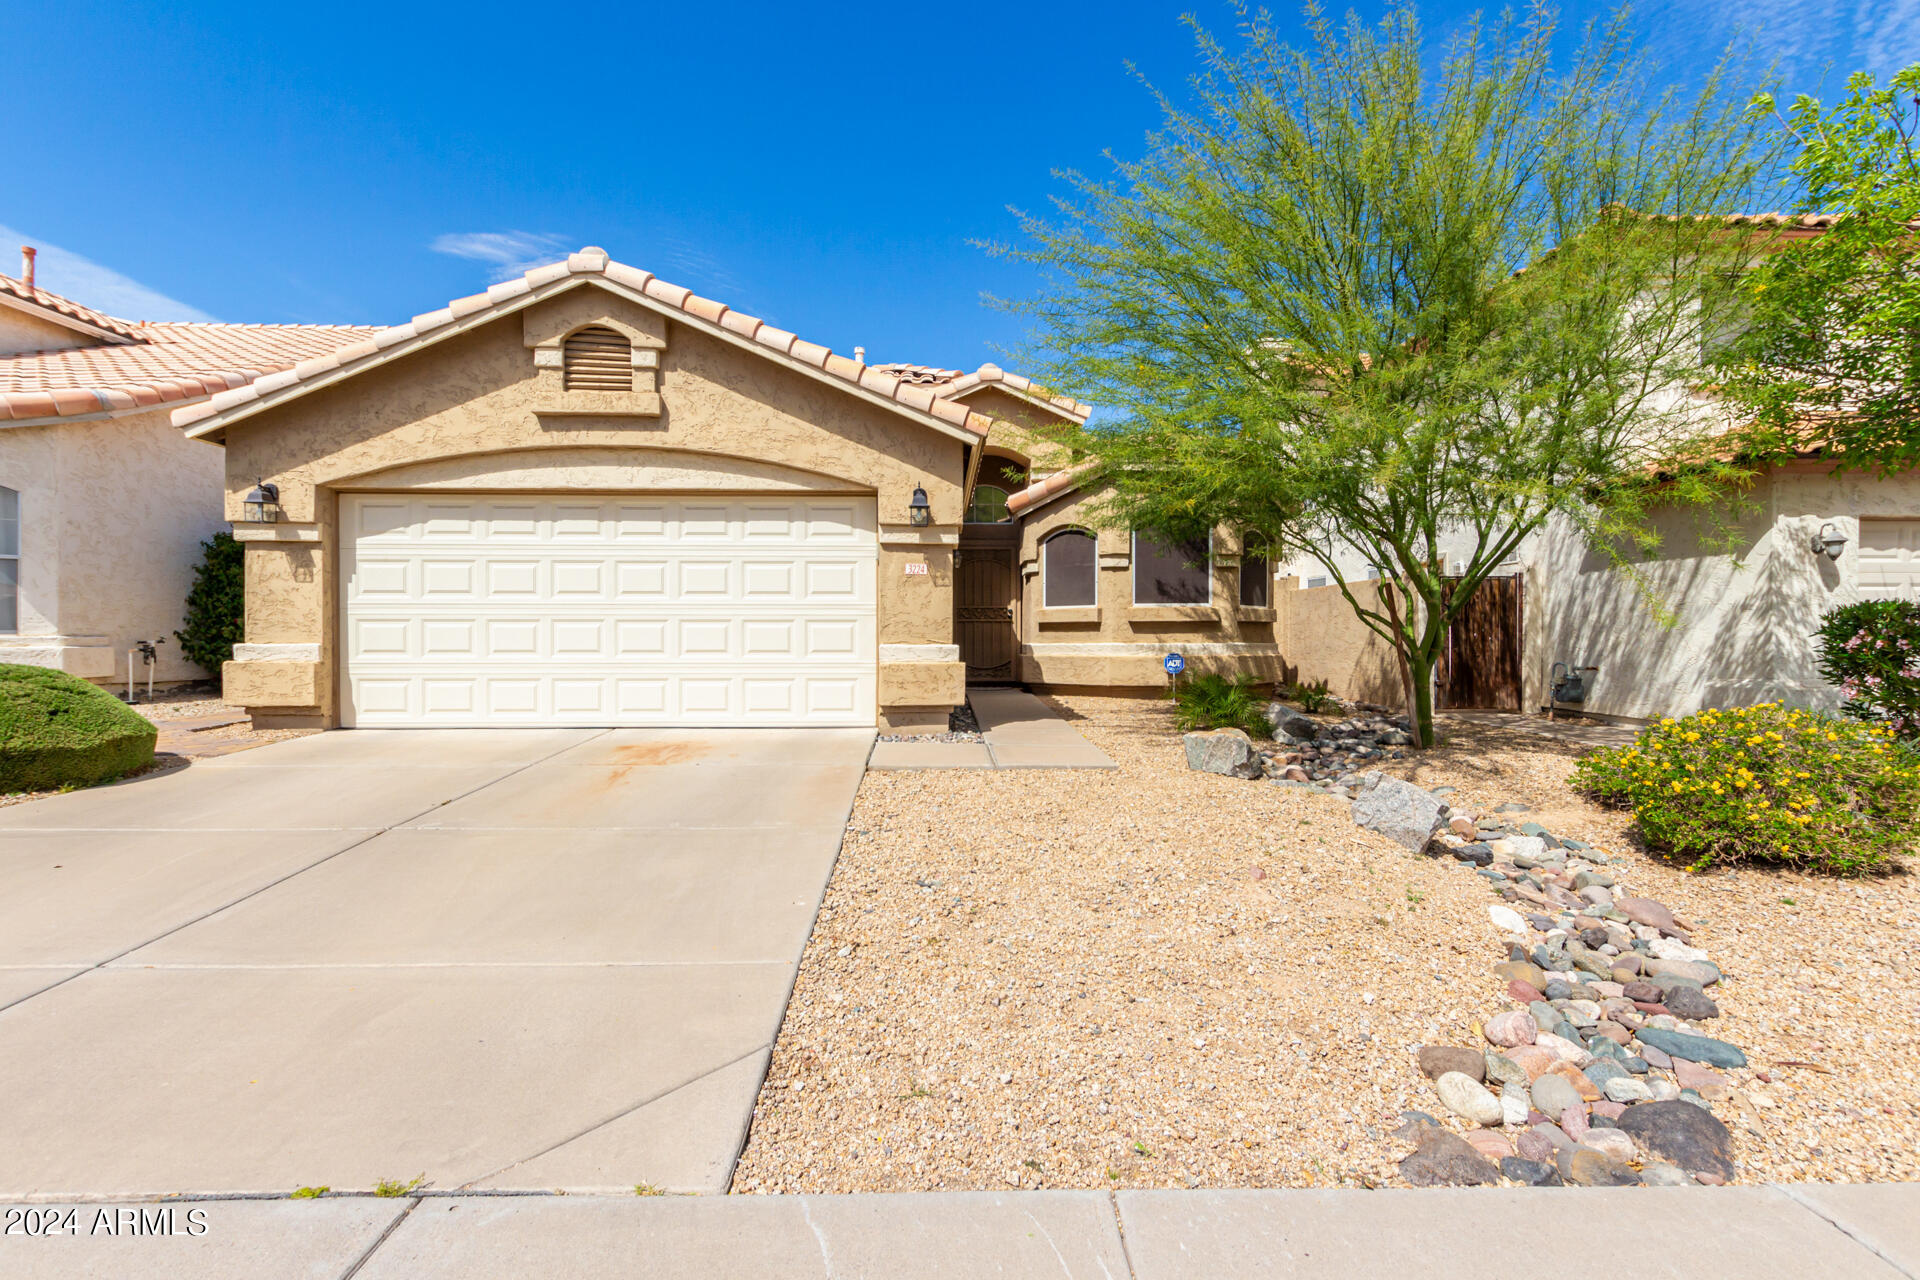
pixel 1766 784
pixel 1872 651
pixel 216 604
pixel 58 731
pixel 1215 702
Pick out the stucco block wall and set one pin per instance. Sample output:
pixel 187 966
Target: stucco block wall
pixel 1741 622
pixel 474 408
pixel 1118 644
pixel 113 512
pixel 1323 639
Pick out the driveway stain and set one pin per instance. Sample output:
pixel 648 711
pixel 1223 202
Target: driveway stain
pixel 647 755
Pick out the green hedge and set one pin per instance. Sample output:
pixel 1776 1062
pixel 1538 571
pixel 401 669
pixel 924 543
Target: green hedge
pixel 58 731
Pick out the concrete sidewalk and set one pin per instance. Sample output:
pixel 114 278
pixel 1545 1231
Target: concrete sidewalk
pixel 1019 732
pixel 1735 1233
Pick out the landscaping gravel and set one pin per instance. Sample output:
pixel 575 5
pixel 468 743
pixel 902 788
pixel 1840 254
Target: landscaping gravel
pixel 1158 977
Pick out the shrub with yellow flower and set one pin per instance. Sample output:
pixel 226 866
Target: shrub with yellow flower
pixel 1787 786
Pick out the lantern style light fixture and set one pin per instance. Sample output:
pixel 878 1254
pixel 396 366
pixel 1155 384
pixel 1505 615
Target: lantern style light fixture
pixel 920 511
pixel 262 505
pixel 1829 541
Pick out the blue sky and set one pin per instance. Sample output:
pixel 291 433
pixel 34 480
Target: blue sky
pixel 822 166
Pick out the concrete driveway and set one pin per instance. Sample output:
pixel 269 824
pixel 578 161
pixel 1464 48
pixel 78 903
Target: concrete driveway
pixel 498 959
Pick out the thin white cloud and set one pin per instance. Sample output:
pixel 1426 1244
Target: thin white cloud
pixel 85 281
pixel 1812 41
pixel 507 253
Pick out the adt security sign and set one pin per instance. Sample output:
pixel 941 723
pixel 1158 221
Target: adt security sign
pixel 1175 664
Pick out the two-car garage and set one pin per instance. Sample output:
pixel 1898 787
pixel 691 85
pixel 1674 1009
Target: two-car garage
pixel 492 609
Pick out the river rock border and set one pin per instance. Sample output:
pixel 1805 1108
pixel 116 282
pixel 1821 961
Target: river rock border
pixel 1601 1074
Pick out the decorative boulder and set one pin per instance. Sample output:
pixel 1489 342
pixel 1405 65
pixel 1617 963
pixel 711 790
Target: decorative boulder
pixel 1229 752
pixel 1398 810
pixel 1290 725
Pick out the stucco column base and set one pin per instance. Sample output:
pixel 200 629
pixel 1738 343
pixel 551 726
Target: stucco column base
pixel 272 686
pixel 277 718
pixel 915 719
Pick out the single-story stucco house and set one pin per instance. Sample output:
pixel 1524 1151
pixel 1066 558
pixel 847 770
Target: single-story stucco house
pixel 589 497
pixel 103 502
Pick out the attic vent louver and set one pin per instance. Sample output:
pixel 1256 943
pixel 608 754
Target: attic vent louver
pixel 598 359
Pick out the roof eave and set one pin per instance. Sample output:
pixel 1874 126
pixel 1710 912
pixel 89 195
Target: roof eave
pixel 65 321
pixel 1072 410
pixel 214 427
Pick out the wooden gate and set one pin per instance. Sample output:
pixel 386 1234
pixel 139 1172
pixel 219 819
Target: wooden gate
pixel 1481 665
pixel 983 613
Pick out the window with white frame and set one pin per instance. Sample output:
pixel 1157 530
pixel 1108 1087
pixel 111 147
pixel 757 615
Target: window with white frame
pixel 9 560
pixel 1172 573
pixel 1068 574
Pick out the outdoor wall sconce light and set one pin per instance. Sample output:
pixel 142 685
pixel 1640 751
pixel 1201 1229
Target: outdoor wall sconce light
pixel 920 511
pixel 263 503
pixel 1830 541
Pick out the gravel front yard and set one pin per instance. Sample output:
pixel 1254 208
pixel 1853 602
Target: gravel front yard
pixel 1155 978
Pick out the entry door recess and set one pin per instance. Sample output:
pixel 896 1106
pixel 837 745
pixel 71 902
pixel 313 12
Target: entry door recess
pixel 527 609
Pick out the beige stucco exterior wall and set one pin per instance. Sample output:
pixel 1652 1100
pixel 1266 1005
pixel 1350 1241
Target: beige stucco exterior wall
pixel 1323 639
pixel 21 332
pixel 1741 622
pixel 475 404
pixel 113 512
pixel 1117 644
pixel 1020 428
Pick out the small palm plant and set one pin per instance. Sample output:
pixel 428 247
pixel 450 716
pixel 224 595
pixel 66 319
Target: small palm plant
pixel 1215 702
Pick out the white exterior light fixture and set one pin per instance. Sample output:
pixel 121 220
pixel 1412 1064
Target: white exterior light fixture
pixel 1829 541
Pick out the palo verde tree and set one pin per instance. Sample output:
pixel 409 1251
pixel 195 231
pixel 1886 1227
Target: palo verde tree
pixel 1371 304
pixel 1830 355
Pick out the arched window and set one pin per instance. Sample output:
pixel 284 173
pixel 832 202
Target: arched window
pixel 1256 575
pixel 9 560
pixel 989 505
pixel 1067 571
pixel 597 359
pixel 1172 573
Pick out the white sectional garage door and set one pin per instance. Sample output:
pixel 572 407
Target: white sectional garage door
pixel 1890 558
pixel 522 609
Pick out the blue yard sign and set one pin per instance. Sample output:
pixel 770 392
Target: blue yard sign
pixel 1175 664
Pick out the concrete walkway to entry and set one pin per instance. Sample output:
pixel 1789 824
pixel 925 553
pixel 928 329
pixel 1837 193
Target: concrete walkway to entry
pixel 1734 1233
pixel 1018 730
pixel 510 959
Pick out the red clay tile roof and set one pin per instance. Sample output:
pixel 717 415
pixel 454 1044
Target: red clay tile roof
pixel 952 384
pixel 165 362
pixel 63 309
pixel 920 375
pixel 1052 487
pixel 683 304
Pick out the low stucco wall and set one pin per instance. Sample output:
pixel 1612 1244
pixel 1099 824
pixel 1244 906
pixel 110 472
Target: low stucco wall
pixel 113 512
pixel 1325 640
pixel 474 408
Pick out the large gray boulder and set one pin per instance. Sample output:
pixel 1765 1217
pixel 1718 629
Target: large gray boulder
pixel 1229 752
pixel 1399 811
pixel 1290 725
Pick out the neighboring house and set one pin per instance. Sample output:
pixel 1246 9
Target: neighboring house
pixel 103 502
pixel 1742 620
pixel 589 497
